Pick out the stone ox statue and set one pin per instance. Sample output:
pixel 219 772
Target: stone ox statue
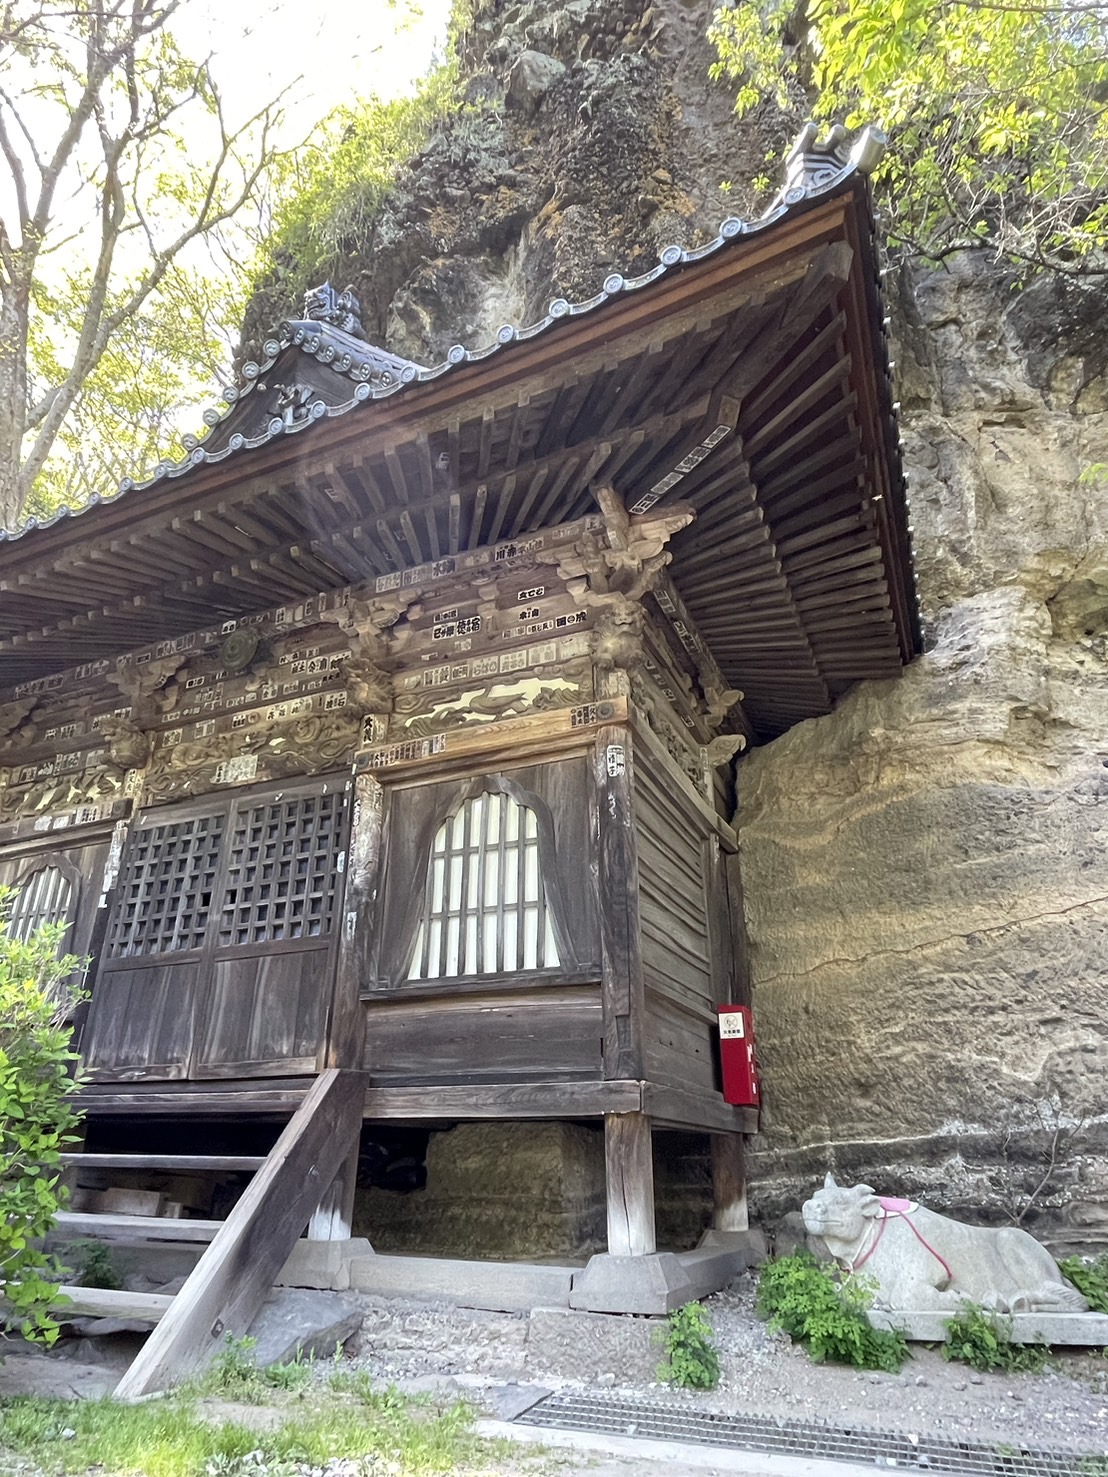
pixel 925 1261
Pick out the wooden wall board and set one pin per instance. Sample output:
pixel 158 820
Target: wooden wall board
pixel 545 1034
pixel 514 1100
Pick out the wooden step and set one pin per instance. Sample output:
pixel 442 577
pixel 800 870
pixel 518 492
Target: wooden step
pixel 134 1227
pixel 174 1162
pixel 104 1302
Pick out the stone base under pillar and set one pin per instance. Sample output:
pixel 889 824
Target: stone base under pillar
pixel 323 1264
pixel 664 1280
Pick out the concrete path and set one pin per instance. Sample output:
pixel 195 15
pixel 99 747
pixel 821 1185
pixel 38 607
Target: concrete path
pixel 622 1456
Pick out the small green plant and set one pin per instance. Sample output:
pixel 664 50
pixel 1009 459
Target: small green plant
pixel 38 990
pixel 826 1312
pixel 691 1358
pixel 982 1339
pixel 93 1264
pixel 1090 1278
pixel 234 1372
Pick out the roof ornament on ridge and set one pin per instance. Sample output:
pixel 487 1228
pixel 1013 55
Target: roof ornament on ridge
pixel 814 165
pixel 342 309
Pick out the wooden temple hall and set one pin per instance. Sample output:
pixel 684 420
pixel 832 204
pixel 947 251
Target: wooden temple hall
pixel 381 755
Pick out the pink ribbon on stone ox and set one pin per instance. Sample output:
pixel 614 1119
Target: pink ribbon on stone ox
pixel 893 1205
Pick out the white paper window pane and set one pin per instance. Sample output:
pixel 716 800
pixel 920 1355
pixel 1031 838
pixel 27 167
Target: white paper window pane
pixel 512 828
pixel 511 955
pixel 453 946
pixel 438 877
pixel 488 964
pixel 492 879
pixel 530 938
pixel 471 964
pixel 454 896
pixel 531 875
pixel 511 878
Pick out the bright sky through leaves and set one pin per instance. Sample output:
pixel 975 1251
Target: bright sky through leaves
pixel 339 50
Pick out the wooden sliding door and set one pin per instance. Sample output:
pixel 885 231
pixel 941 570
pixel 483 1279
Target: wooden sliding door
pixel 219 959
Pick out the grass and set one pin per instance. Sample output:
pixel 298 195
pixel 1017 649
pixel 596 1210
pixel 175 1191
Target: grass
pixel 339 1415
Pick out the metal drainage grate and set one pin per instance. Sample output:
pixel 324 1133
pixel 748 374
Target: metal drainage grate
pixel 666 1422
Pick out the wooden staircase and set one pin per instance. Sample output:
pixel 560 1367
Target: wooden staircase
pixel 244 1254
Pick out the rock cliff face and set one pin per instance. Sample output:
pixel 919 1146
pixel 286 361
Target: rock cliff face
pixel 925 869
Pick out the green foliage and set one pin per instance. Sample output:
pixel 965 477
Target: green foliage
pixel 826 1312
pixel 93 1263
pixel 996 111
pixel 1090 1278
pixel 174 1438
pixel 235 1374
pixel 36 1117
pixel 691 1358
pixel 327 195
pixel 981 1339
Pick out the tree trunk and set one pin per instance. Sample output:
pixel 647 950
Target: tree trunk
pixel 13 402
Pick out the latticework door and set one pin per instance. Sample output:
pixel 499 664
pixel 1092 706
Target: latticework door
pixel 219 956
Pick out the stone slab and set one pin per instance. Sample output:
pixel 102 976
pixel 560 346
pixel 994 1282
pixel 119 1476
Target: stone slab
pixel 654 1284
pixel 1073 1330
pixel 749 1245
pixel 44 1375
pixel 573 1344
pixel 502 1287
pixel 508 1402
pixel 323 1264
pixel 302 1323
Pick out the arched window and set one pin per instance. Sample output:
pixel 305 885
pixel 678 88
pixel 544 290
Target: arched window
pixel 486 909
pixel 42 896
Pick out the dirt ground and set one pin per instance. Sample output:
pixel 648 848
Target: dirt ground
pixel 485 1357
pixel 762 1374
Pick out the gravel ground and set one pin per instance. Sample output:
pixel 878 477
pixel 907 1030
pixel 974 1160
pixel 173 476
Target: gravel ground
pixel 417 1344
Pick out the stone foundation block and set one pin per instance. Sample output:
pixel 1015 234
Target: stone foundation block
pixel 1074 1330
pixel 323 1264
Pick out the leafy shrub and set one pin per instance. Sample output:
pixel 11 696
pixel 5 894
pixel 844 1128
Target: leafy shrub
pixel 691 1358
pixel 826 1312
pixel 982 1339
pixel 1090 1279
pixel 93 1264
pixel 37 994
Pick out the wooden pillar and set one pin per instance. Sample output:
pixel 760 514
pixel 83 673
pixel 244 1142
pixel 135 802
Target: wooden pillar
pixel 334 1217
pixel 618 891
pixel 346 1042
pixel 629 1172
pixel 729 1183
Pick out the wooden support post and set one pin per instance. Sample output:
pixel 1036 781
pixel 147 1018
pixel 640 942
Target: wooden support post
pixel 629 1171
pixel 334 1217
pixel 346 1028
pixel 620 941
pixel 729 1183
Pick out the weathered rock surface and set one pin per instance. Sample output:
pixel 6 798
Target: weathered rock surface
pixel 925 869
